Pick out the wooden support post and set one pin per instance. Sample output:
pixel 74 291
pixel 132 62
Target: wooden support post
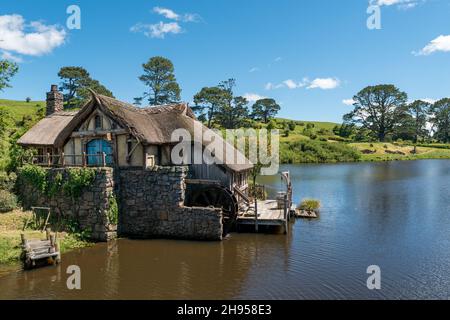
pixel 63 161
pixel 52 243
pixel 285 209
pixel 49 160
pixel 46 220
pixel 23 239
pixel 83 160
pixel 47 233
pixel 103 159
pixel 256 214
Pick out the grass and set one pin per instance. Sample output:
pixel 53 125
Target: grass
pixel 309 205
pixel 11 225
pixel 19 109
pixel 381 154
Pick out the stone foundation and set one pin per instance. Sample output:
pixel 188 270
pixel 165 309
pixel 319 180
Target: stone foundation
pixel 151 205
pixel 89 210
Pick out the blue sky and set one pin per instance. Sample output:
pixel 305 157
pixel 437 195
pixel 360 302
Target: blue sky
pixel 311 56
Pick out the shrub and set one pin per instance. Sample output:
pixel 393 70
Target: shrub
pixel 7 181
pixel 309 205
pixel 292 126
pixel 305 151
pixel 113 210
pixel 8 201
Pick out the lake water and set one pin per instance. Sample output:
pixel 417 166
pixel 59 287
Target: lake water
pixel 395 215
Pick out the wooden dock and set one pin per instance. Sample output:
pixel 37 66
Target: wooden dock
pixel 269 214
pixel 38 252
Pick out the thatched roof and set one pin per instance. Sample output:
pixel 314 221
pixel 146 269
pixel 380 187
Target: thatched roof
pixel 150 126
pixel 46 131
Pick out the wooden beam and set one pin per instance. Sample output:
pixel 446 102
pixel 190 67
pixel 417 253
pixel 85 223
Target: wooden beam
pixel 97 133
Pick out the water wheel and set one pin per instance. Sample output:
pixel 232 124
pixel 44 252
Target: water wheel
pixel 217 197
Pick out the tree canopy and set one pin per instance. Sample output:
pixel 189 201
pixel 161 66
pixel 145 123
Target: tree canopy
pixel 160 79
pixel 208 102
pixel 378 109
pixel 441 119
pixel 7 70
pixel 265 109
pixel 75 84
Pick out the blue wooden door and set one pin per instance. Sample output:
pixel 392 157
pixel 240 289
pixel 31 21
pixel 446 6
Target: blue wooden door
pixel 94 151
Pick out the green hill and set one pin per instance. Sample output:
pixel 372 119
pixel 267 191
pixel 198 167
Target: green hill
pixel 15 118
pixel 19 109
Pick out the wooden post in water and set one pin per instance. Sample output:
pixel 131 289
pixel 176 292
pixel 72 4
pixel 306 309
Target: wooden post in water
pixel 256 214
pixel 285 213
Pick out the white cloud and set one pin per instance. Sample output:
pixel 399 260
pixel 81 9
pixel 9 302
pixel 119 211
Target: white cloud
pixel 348 102
pixel 169 14
pixel 9 56
pixel 401 4
pixel 158 30
pixel 172 15
pixel 319 83
pixel 254 69
pixel 441 43
pixel 161 29
pixel 291 84
pixel 278 59
pixel 253 97
pixel 324 83
pixel 34 38
pixel 428 100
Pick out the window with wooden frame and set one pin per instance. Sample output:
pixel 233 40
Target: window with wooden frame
pixel 98 122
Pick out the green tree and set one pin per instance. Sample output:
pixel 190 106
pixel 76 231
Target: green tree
pixel 233 115
pixel 207 103
pixel 160 79
pixel 73 78
pixel 419 111
pixel 84 95
pixel 265 109
pixel 441 120
pixel 378 109
pixel 7 70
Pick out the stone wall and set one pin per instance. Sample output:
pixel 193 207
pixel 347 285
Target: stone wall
pixel 151 206
pixel 90 210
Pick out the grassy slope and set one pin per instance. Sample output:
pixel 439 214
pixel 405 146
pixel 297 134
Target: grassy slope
pixel 381 155
pixel 11 225
pixel 18 109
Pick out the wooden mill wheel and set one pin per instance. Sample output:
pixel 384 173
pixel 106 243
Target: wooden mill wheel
pixel 218 197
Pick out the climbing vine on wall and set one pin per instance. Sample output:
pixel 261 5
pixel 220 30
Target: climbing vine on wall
pixel 78 179
pixel 113 211
pixel 71 184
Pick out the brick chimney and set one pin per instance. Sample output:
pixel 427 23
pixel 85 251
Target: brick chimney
pixel 55 101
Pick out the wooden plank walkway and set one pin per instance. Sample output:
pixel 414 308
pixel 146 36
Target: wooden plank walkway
pixel 268 214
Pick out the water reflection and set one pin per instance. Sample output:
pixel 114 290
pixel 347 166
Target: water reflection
pixel 395 215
